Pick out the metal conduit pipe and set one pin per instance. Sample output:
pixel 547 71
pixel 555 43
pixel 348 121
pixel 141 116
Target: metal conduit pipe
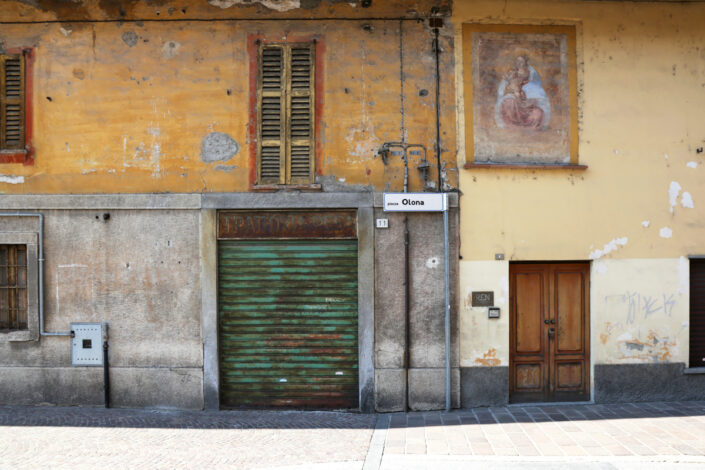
pixel 436 50
pixel 437 23
pixel 40 216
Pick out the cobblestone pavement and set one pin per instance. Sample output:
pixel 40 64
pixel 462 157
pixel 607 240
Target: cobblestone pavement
pixel 641 432
pixel 95 438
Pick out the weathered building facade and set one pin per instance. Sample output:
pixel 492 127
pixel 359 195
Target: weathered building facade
pixel 204 177
pixel 585 225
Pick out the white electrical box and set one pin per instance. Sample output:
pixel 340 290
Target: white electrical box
pixel 86 344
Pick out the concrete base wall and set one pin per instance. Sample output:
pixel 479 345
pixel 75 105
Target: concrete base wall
pixel 427 389
pixel 614 383
pixel 179 388
pixel 484 386
pixel 646 382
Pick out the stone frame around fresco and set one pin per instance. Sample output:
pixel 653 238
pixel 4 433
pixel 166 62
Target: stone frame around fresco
pixel 521 158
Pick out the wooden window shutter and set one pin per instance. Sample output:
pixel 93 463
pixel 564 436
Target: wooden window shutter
pixel 285 114
pixel 270 122
pixel 12 89
pixel 300 145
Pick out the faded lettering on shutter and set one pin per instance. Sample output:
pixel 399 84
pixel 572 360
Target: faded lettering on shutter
pixel 12 102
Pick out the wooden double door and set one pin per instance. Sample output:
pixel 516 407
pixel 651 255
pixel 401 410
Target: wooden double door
pixel 549 332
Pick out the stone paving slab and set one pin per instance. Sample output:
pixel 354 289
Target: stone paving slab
pixel 94 438
pixel 430 462
pixel 650 430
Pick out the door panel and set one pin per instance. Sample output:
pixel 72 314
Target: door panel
pixel 569 375
pixel 529 377
pixel 530 296
pixel 549 331
pixel 569 318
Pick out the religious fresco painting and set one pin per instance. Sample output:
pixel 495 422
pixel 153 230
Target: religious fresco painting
pixel 522 94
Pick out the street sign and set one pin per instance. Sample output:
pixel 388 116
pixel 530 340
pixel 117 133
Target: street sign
pixel 415 202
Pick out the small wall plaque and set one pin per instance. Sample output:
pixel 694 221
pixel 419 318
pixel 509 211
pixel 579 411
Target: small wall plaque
pixel 483 299
pixel 493 312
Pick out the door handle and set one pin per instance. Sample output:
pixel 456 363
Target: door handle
pixel 552 322
pixel 551 331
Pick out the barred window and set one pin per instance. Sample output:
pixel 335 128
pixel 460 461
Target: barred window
pixel 13 287
pixel 285 118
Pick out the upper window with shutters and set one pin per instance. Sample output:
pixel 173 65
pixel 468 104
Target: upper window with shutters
pixel 285 114
pixel 15 94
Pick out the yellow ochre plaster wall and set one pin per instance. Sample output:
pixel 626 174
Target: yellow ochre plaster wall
pixel 124 106
pixel 636 211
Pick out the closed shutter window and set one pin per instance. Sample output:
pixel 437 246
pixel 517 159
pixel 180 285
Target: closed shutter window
pixel 12 112
pixel 697 313
pixel 285 124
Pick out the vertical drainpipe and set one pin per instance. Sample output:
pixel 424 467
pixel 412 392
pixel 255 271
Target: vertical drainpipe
pixel 407 293
pixel 437 23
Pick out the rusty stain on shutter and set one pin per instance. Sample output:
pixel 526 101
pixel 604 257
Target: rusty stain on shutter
pixel 288 323
pixel 285 117
pixel 12 102
pixel 697 313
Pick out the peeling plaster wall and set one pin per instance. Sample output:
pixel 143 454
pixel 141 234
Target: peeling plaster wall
pixel 641 72
pixel 636 211
pixel 126 106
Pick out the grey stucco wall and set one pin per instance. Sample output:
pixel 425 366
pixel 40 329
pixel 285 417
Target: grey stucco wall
pixel 139 271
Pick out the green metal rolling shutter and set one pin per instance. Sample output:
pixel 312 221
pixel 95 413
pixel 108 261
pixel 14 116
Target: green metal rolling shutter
pixel 288 323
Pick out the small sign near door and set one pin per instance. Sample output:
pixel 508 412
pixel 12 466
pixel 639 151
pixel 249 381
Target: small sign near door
pixel 482 298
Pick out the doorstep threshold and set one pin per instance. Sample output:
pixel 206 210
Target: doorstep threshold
pixel 551 403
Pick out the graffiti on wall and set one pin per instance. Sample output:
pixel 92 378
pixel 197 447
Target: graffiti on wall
pixel 638 332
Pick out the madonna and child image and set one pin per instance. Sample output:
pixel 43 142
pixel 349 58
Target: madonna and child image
pixel 521 98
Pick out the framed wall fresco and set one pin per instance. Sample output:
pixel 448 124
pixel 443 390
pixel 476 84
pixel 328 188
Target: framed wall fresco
pixel 520 85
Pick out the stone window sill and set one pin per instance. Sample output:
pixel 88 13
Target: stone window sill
pixel 16 156
pixel 15 336
pixel 694 370
pixel 522 166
